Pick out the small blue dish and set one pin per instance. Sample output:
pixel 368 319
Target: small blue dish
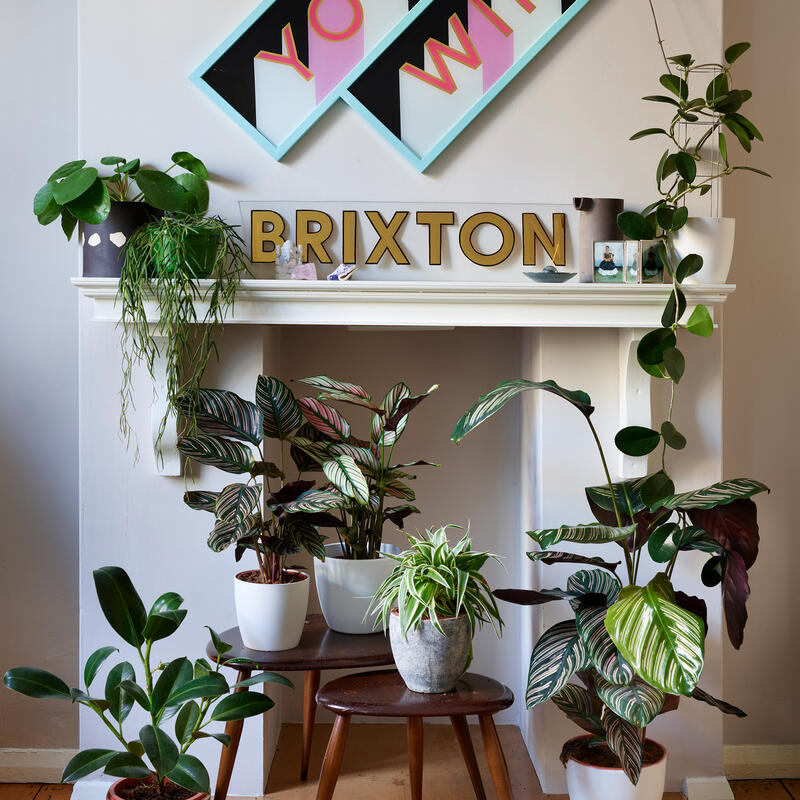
pixel 550 277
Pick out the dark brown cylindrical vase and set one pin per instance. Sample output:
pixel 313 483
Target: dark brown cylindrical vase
pixel 598 224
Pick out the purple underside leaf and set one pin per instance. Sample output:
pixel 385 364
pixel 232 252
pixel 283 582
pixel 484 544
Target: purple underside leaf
pixel 735 591
pixel 644 521
pixel 734 526
pixel 291 491
pixel 696 605
pixel 530 597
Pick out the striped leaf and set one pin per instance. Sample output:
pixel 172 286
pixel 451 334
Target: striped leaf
pixel 725 708
pixel 345 475
pixel 578 705
pixel 663 642
pixel 718 494
pixel 594 581
pixel 582 534
pixel 492 402
pixel 626 493
pixel 324 418
pixel 625 739
pixel 638 703
pixel 363 456
pixel 389 405
pixel 225 454
pixel 226 533
pixel 403 408
pixel 316 501
pixel 555 658
pixel 317 451
pixel 222 413
pixel 556 557
pixel 397 489
pixel 237 501
pixel 279 408
pixel 601 651
pixel 326 384
pixel 201 501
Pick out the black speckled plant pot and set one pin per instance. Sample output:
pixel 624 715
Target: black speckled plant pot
pixel 102 245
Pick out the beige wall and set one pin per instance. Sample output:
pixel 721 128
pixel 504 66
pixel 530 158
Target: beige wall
pixel 762 378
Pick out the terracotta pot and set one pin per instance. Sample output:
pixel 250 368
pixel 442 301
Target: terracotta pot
pixel 346 587
pixel 113 794
pixel 589 782
pixel 271 615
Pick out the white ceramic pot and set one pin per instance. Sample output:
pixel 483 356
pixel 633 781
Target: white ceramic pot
pixel 346 587
pixel 271 615
pixel 711 238
pixel 588 782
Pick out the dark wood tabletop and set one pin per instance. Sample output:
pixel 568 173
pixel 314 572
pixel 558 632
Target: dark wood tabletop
pixel 384 694
pixel 319 648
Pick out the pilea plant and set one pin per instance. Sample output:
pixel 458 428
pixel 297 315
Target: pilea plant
pixel 195 693
pixel 278 521
pixel 634 648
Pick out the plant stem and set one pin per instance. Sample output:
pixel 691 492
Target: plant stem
pixel 658 36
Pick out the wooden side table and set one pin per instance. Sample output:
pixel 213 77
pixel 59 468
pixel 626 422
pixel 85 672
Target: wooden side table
pixel 383 694
pixel 320 648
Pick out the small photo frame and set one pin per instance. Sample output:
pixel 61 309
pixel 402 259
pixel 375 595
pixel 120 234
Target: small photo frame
pixel 633 262
pixel 652 266
pixel 609 262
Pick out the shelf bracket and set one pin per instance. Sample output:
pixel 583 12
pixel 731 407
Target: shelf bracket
pixel 634 397
pixel 167 458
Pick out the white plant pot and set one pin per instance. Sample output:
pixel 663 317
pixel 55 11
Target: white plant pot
pixel 588 782
pixel 346 587
pixel 709 237
pixel 271 615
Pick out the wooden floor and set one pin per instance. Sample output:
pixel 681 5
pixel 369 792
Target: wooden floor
pixel 376 766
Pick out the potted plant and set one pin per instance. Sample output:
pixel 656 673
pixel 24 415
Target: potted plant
pixel 232 433
pixel 634 648
pixel 692 165
pixel 195 693
pixel 111 207
pixel 363 473
pixel 431 604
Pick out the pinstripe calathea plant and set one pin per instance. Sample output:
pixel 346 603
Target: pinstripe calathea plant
pixel 633 649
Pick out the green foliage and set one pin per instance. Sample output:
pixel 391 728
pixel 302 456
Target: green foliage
pixel 433 580
pixel 169 690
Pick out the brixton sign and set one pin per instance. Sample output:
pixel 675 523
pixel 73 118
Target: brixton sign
pixel 419 71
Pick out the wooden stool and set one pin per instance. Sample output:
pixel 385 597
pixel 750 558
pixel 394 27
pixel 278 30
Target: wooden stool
pixel 383 694
pixel 320 648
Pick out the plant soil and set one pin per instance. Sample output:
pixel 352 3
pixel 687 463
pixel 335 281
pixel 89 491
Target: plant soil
pixel 601 756
pixel 146 790
pixel 254 576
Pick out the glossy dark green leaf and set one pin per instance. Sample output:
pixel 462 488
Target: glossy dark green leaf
pixel 687 167
pixel 68 222
pixel 120 702
pixel 211 685
pixel 220 646
pixel 679 220
pixel 266 677
pixel 660 545
pixel 689 266
pixel 191 163
pixel 94 662
pixel 737 130
pixel 190 773
pixel 161 190
pixel 647 132
pixel 718 87
pixel 635 226
pixel 685 60
pixel 656 488
pixel 723 148
pixel 164 617
pixel 121 605
pixel 174 676
pixel 94 205
pixel 674 363
pixel 700 322
pixel 37 683
pixel 712 571
pixel 196 188
pixel 49 213
pixel 735 50
pixel 43 198
pixel 664 216
pixel 240 706
pixel 96 703
pixel 111 161
pixel 753 169
pixel 675 84
pixel 132 689
pixel 674 309
pixel 186 721
pixel 752 131
pixel 637 440
pixel 127 765
pixel 74 185
pixel 130 167
pixel 660 98
pixel 67 169
pixel 85 763
pixel 160 749
pixel 671 435
pixel 652 346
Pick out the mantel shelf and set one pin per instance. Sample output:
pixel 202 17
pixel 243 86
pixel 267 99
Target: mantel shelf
pixel 432 304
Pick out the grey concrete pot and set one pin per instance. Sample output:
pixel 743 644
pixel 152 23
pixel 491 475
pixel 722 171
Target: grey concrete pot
pixel 427 661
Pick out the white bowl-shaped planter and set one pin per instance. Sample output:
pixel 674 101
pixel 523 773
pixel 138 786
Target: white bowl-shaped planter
pixel 427 661
pixel 590 782
pixel 271 615
pixel 346 587
pixel 709 237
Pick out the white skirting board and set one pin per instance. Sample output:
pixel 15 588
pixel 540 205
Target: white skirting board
pixel 715 788
pixel 761 761
pixel 33 766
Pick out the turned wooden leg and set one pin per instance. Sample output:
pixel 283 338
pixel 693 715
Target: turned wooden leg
pixel 468 752
pixel 309 713
pixel 497 761
pixel 333 757
pixel 414 732
pixel 228 756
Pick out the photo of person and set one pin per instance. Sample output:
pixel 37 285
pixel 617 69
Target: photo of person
pixel 608 262
pixel 632 261
pixel 652 267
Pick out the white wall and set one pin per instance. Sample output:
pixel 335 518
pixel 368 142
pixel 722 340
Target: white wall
pixel 39 369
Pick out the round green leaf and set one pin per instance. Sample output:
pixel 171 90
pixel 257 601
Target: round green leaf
pixel 687 166
pixel 130 167
pixel 94 205
pixel 735 50
pixel 196 188
pixel 689 266
pixel 110 161
pixel 636 440
pixel 651 347
pixel 657 487
pixel 191 163
pixel 660 545
pixel 68 223
pixel 85 763
pixel 43 198
pixel 700 322
pixel 674 309
pixel 74 185
pixel 66 169
pixel 680 219
pixel 635 226
pixel 664 215
pixel 49 213
pixel 240 706
pixel 671 435
pixel 37 683
pixel 161 190
pixel 675 363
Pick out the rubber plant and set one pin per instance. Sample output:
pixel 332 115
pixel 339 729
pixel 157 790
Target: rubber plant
pixel 634 648
pixel 278 520
pixel 195 694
